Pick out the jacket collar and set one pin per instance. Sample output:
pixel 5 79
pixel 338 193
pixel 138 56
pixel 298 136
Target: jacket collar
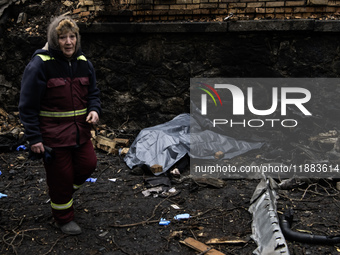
pixel 59 54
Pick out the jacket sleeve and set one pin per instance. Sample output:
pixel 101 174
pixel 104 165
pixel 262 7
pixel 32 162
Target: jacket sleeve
pixel 93 100
pixel 33 86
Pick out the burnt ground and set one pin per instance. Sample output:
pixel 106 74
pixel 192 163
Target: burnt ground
pixel 118 219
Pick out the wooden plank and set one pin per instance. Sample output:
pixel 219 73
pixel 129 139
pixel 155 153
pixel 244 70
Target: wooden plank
pixel 124 151
pixel 225 240
pixel 102 140
pixel 122 142
pixel 201 247
pixel 88 3
pixel 106 144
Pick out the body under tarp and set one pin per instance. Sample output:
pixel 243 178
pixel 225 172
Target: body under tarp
pixel 167 143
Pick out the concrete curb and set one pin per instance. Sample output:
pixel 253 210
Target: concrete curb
pixel 307 25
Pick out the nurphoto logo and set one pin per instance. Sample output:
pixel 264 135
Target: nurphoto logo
pixel 238 103
pixel 234 116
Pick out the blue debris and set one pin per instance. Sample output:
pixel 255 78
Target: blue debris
pixel 2 195
pixel 183 216
pixel 91 180
pixel 21 148
pixel 164 222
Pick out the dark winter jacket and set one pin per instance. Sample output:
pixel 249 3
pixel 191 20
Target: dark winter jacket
pixel 56 96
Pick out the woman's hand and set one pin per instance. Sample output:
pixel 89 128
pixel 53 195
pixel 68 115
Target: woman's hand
pixel 38 148
pixel 92 117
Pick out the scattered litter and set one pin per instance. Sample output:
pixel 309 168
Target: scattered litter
pixel 0 173
pixel 304 231
pixel 200 247
pixel 21 148
pixel 172 190
pixel 156 168
pixel 170 193
pixel 137 186
pixel 294 182
pixel 104 234
pixel 164 222
pixel 156 181
pixel 214 182
pixel 113 179
pixel 174 234
pixel 182 216
pixel 330 137
pixel 226 240
pixel 175 207
pixel 2 195
pixel 229 16
pixel 175 172
pixel 123 151
pixel 148 192
pixel 201 234
pixel 91 179
pixel 21 158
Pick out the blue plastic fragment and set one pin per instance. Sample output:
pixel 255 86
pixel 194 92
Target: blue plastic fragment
pixel 182 216
pixel 21 148
pixel 91 179
pixel 0 173
pixel 164 222
pixel 2 195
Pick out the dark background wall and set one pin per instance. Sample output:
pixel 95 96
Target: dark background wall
pixel 144 73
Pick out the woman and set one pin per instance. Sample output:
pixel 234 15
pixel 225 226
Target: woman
pixel 59 102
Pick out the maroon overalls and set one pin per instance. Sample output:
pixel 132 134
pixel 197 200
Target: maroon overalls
pixel 63 128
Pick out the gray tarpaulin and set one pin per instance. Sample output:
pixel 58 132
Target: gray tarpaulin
pixel 163 144
pixel 167 143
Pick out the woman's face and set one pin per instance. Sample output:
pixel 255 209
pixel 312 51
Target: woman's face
pixel 67 43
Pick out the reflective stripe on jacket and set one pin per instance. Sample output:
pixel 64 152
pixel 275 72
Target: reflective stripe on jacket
pixel 63 107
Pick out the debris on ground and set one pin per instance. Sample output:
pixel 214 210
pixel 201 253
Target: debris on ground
pixel 116 205
pixel 109 143
pixel 200 247
pixel 122 212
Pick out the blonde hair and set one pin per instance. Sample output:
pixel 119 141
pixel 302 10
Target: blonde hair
pixel 58 26
pixel 66 26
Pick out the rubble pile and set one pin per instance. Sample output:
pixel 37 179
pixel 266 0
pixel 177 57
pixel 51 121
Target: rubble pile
pixel 10 125
pixel 11 131
pixel 108 142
